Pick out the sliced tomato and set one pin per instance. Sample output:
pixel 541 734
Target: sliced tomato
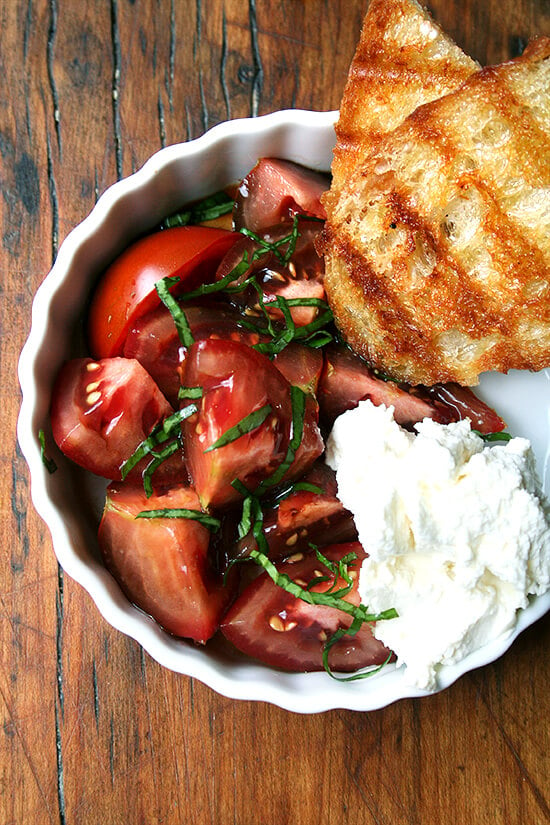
pixel 460 402
pixel 346 380
pixel 163 564
pixel 276 190
pixel 301 278
pixel 271 625
pixel 102 410
pixel 305 517
pixel 127 289
pixel 154 341
pixel 301 366
pixel 238 381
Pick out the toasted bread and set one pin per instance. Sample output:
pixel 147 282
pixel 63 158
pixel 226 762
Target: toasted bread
pixel 438 249
pixel 403 59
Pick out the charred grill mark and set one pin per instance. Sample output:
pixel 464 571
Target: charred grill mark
pixel 449 285
pixel 52 31
pixel 258 72
pixel 117 60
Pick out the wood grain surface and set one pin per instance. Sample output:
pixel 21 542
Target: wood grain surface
pixel 92 730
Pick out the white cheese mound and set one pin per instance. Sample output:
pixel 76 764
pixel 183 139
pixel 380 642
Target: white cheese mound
pixel 457 532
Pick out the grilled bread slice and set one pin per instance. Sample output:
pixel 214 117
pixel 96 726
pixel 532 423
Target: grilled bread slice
pixel 403 59
pixel 438 250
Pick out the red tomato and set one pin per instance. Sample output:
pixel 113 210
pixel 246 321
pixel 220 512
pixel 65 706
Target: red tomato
pixel 303 517
pixel 273 626
pixel 163 564
pixel 302 277
pixel 300 365
pixel 275 191
pixel 347 379
pixel 102 410
pixel 127 289
pixel 236 382
pixel 456 403
pixel 154 341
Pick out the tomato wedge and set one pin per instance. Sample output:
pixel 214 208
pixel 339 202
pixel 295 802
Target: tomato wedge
pixel 236 382
pixel 127 288
pixel 276 190
pixel 305 517
pixel 102 410
pixel 302 277
pixel 282 631
pixel 163 564
pixel 154 341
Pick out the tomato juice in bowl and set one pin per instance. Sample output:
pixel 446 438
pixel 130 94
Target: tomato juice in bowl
pixel 175 176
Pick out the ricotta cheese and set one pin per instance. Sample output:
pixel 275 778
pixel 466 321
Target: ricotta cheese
pixel 457 532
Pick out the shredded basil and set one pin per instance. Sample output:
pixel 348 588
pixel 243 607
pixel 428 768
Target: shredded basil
pixel 493 436
pixel 190 392
pixel 208 209
pixel 180 319
pixel 210 522
pixel 158 435
pixel 298 402
pixel 48 462
pixel 246 425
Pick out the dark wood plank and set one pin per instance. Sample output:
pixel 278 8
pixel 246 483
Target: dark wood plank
pixel 93 730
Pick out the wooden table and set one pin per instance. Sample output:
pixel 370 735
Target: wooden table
pixel 93 730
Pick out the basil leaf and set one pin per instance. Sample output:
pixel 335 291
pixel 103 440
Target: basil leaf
pixel 48 462
pixel 210 522
pixel 489 437
pixel 180 319
pixel 246 425
pixel 208 209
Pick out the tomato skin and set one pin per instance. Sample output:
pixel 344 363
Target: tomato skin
pixel 102 410
pixel 301 278
pixel 269 624
pixel 276 190
pixel 163 564
pixel 154 342
pixel 127 289
pixel 303 517
pixel 236 381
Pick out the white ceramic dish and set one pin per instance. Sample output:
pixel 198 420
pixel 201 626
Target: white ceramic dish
pixel 69 501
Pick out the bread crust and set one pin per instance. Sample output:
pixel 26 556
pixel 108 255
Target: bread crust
pixel 437 245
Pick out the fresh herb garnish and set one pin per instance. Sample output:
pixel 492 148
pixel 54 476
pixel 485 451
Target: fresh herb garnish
pixel 298 403
pixel 359 612
pixel 190 392
pixel 180 319
pixel 208 209
pixel 158 435
pixel 48 462
pixel 493 436
pixel 246 425
pixel 213 524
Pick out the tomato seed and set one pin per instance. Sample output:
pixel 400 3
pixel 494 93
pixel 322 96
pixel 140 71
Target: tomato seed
pixel 276 623
pixel 291 540
pixel 92 386
pixel 92 366
pixel 322 636
pixel 296 557
pixel 93 398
